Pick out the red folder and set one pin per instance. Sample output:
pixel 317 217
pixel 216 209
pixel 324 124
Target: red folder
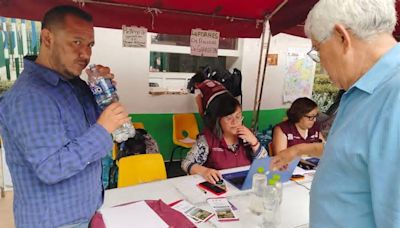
pixel 170 216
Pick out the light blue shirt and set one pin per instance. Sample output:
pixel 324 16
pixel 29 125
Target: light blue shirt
pixel 357 183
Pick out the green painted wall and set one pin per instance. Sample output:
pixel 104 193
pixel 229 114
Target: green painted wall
pixel 160 126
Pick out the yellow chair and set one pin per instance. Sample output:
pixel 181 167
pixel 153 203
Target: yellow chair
pixel 140 168
pixel 137 125
pixel 185 131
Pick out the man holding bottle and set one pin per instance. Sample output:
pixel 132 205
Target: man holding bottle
pixel 54 134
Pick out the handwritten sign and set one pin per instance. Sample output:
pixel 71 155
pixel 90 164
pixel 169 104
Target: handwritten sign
pixel 204 43
pixel 134 36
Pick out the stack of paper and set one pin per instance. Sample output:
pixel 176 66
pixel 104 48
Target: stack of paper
pixel 132 215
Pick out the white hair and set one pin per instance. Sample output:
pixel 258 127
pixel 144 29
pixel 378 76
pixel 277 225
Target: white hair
pixel 365 18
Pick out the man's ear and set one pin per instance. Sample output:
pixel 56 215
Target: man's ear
pixel 46 37
pixel 343 36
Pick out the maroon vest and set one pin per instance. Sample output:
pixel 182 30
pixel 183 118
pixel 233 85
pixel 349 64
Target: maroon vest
pixel 220 157
pixel 294 137
pixel 210 89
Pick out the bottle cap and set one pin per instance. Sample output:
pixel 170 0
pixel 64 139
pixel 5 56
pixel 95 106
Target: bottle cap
pixel 260 170
pixel 276 177
pixel 271 182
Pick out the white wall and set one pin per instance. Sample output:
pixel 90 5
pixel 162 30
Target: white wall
pixel 131 67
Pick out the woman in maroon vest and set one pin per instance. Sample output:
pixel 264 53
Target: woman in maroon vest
pixel 300 127
pixel 225 142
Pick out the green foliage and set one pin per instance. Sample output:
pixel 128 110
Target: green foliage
pixel 5 85
pixel 324 92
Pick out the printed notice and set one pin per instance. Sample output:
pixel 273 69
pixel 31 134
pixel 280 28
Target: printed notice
pixel 204 43
pixel 134 36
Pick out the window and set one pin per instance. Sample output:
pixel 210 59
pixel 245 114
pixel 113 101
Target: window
pixel 183 40
pixel 174 62
pixel 171 65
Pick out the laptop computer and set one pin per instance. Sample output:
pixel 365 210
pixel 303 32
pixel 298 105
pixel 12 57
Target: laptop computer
pixel 243 179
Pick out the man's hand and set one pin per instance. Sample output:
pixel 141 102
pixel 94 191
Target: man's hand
pixel 281 160
pixel 113 117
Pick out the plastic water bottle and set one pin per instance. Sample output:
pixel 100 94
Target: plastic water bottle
pixel 258 185
pixel 278 186
pixel 271 204
pixel 105 94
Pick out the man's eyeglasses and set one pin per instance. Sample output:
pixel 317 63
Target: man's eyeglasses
pixel 230 118
pixel 311 118
pixel 314 55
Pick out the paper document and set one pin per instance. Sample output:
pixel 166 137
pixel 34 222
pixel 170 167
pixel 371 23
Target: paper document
pixel 132 215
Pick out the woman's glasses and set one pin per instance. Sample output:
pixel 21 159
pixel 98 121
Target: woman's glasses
pixel 311 118
pixel 231 118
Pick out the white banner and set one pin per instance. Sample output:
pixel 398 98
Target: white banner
pixel 134 36
pixel 204 43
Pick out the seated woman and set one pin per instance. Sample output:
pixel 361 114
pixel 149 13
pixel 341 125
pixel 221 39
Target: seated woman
pixel 300 127
pixel 225 142
pixel 315 149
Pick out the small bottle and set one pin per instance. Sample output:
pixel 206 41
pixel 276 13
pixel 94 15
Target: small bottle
pixel 258 185
pixel 278 186
pixel 271 203
pixel 105 93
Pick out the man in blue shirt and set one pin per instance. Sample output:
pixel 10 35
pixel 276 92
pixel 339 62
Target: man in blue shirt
pixel 357 183
pixel 53 132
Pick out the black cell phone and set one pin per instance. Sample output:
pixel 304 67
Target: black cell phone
pixel 212 188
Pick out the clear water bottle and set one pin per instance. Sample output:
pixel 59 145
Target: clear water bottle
pixel 271 204
pixel 278 186
pixel 105 93
pixel 258 185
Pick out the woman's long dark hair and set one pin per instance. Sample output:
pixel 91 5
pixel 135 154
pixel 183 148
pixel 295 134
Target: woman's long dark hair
pixel 222 105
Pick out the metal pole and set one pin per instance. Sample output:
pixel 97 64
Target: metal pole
pixel 257 98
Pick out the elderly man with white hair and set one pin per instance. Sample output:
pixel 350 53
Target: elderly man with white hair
pixel 357 183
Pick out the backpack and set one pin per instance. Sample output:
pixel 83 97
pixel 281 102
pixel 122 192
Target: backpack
pixel 141 143
pixel 231 81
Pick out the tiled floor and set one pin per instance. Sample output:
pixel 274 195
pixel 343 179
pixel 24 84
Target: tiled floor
pixel 6 211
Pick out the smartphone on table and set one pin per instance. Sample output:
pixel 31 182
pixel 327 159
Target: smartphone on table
pixel 211 188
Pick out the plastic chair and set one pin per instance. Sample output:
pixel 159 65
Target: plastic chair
pixel 184 133
pixel 138 125
pixel 270 152
pixel 142 168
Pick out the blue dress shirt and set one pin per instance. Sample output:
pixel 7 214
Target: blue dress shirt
pixel 53 148
pixel 357 183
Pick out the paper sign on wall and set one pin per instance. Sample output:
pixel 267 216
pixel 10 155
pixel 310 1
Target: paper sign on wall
pixel 204 43
pixel 133 36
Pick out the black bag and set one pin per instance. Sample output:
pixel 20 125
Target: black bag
pixel 231 81
pixel 133 146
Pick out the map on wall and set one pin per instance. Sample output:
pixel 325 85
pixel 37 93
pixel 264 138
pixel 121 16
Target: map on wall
pixel 300 72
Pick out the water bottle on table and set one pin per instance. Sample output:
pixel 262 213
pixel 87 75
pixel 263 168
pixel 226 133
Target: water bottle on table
pixel 258 185
pixel 271 204
pixel 105 93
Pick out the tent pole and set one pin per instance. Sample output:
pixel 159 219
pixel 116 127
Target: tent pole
pixel 258 94
pixel 263 78
pixel 254 117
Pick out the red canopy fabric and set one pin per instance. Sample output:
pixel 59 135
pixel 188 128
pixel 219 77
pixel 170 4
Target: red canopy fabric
pixel 290 18
pixel 115 13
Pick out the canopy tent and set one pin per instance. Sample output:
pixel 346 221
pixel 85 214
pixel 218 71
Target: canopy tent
pixel 232 18
pixel 290 18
